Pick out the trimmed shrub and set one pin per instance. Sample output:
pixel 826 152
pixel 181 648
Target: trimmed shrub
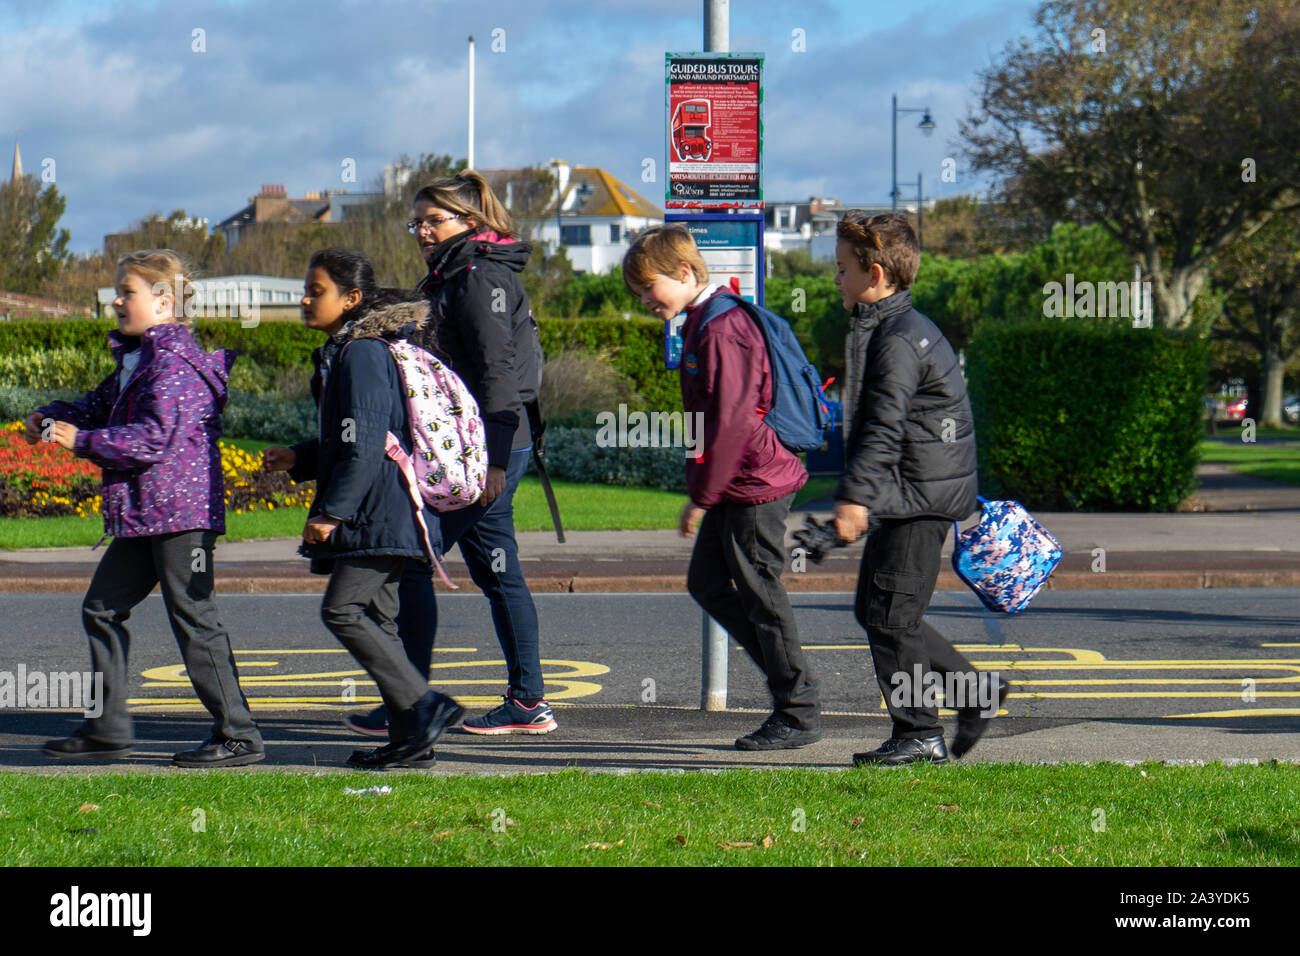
pixel 61 368
pixel 576 383
pixel 1087 416
pixel 573 455
pixel 16 402
pixel 284 420
pixel 286 344
pixel 636 346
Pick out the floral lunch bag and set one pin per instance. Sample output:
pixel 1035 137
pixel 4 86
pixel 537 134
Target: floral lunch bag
pixel 1007 557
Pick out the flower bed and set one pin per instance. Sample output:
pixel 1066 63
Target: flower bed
pixel 44 480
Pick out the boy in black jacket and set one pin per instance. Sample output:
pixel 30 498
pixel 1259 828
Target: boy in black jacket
pixel 910 465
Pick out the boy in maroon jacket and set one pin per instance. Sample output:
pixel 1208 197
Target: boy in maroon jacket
pixel 741 480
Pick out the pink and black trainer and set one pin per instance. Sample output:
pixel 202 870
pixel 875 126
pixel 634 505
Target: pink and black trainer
pixel 513 717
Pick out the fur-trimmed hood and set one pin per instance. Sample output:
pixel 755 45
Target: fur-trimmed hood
pixel 401 320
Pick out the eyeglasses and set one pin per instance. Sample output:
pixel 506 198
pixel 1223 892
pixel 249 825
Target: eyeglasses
pixel 416 226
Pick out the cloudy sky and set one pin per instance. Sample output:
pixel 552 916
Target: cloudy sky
pixel 137 121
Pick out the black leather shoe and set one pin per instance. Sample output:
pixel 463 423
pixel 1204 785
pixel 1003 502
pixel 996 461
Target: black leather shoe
pixel 81 746
pixel 381 758
pixel 413 733
pixel 775 734
pixel 219 752
pixel 896 752
pixel 422 762
pixel 971 724
pixel 419 728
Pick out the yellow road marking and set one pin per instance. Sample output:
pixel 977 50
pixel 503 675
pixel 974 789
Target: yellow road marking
pixel 563 683
pixel 1262 712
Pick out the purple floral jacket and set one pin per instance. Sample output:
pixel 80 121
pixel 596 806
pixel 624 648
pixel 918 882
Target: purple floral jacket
pixel 156 439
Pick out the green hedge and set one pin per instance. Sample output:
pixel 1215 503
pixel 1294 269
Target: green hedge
pixel 17 402
pixel 269 343
pixel 637 345
pixel 572 454
pixel 1087 416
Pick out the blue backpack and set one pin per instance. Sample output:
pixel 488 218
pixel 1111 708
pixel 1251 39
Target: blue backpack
pixel 800 413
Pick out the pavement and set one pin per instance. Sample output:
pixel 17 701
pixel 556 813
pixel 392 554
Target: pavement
pixel 666 739
pixel 1244 533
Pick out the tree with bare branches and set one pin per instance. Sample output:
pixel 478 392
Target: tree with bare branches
pixel 1169 122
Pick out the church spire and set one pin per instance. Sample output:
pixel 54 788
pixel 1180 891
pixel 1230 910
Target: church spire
pixel 18 162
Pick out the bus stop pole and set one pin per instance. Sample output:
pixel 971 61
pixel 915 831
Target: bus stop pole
pixel 713 657
pixel 713 695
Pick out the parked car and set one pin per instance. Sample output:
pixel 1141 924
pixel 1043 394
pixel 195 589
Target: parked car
pixel 1236 408
pixel 1291 409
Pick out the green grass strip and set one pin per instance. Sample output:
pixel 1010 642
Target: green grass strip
pixel 992 814
pixel 583 507
pixel 1270 462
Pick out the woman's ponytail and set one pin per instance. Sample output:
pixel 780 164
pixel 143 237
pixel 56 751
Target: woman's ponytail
pixel 468 194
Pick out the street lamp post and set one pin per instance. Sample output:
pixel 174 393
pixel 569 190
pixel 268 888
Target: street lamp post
pixel 926 126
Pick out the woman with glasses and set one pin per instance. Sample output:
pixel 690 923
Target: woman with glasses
pixel 483 326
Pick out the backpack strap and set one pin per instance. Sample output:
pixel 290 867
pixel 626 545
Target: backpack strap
pixel 718 304
pixel 537 429
pixel 393 448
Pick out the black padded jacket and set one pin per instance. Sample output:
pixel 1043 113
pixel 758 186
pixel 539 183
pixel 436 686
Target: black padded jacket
pixel 482 323
pixel 910 448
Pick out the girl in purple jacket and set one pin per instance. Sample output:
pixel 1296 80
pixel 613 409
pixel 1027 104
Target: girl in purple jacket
pixel 152 426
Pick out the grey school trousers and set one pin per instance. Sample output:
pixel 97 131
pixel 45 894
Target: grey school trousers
pixel 181 564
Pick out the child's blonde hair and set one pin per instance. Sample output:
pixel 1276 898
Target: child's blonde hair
pixel 167 268
pixel 661 250
pixel 469 195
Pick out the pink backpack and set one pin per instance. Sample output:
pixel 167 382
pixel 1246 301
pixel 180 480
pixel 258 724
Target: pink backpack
pixel 447 467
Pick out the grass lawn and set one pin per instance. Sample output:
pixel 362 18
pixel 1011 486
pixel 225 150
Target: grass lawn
pixel 979 815
pixel 1273 461
pixel 583 507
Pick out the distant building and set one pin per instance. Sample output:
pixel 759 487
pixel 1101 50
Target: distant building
pixel 273 204
pixel 596 212
pixel 236 295
pixel 810 226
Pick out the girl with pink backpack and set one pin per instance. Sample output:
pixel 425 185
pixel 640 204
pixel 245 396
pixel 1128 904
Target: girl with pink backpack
pixel 364 526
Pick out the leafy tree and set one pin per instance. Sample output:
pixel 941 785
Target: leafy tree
pixel 797 262
pixel 79 280
pixel 1168 122
pixel 1261 279
pixel 32 248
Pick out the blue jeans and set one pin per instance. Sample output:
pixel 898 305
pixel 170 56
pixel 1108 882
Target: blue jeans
pixel 486 536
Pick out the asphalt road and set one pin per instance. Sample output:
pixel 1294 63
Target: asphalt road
pixel 1072 655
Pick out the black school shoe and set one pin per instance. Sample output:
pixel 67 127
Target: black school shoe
pixel 897 752
pixel 971 724
pixel 412 733
pixel 382 758
pixel 79 745
pixel 219 752
pixel 775 734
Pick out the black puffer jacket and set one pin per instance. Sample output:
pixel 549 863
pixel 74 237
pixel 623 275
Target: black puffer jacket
pixel 356 379
pixel 484 327
pixel 910 450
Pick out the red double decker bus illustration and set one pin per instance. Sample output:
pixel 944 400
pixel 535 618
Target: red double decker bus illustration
pixel 690 131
